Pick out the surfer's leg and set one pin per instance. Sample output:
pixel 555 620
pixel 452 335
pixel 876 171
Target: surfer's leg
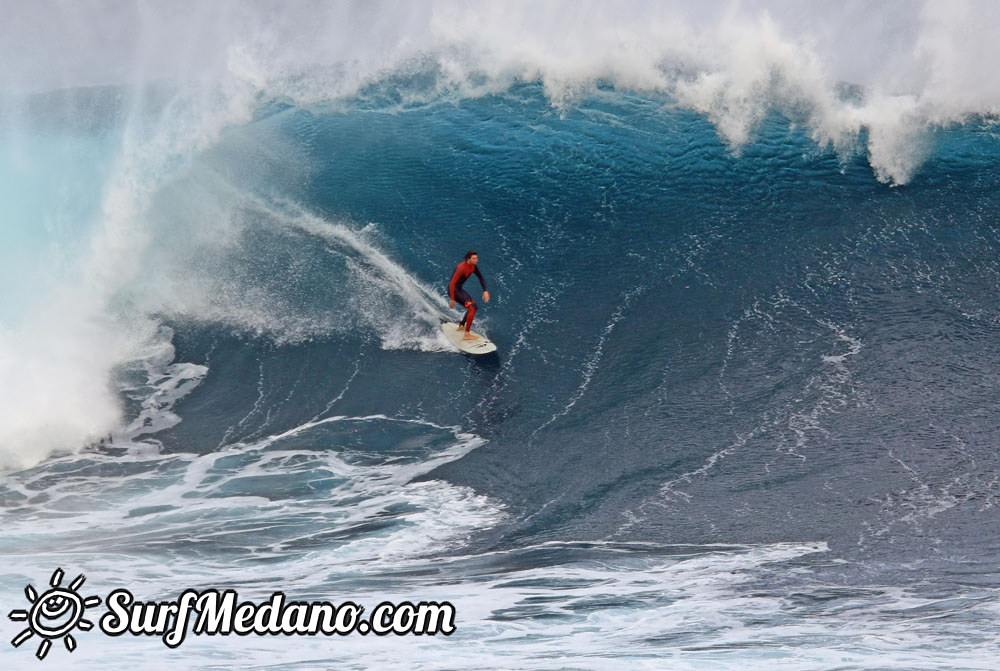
pixel 467 320
pixel 463 298
pixel 469 315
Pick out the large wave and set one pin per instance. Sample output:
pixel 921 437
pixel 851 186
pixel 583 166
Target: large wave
pixel 743 261
pixel 133 193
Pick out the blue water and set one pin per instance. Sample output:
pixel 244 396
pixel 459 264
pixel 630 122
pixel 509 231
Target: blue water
pixel 741 415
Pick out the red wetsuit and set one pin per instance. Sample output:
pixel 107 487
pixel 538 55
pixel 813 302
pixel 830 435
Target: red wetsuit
pixel 457 293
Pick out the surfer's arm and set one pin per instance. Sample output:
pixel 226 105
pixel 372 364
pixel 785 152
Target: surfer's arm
pixel 451 285
pixel 486 294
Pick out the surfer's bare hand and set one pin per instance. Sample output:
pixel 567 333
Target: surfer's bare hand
pixel 486 296
pixel 451 304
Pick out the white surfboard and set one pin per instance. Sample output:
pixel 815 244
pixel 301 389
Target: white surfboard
pixel 482 345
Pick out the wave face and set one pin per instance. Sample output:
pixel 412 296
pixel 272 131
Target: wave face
pixel 743 263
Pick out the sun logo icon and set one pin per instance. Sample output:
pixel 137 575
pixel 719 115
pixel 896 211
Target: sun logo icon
pixel 54 614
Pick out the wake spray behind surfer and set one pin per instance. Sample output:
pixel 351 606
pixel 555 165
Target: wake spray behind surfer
pixel 456 293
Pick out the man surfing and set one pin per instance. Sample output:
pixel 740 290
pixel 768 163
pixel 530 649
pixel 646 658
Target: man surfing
pixel 456 293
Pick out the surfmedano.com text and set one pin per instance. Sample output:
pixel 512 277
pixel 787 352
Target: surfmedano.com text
pixel 214 613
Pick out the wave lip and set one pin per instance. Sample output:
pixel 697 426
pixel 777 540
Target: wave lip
pixel 910 68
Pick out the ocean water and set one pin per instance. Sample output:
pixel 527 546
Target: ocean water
pixel 743 262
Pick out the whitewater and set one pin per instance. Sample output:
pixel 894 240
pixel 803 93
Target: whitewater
pixel 743 265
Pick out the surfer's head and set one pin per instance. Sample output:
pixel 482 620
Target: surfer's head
pixel 472 256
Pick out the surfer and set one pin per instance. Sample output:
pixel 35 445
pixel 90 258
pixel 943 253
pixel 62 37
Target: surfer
pixel 457 293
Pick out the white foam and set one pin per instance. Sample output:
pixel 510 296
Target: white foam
pixel 917 65
pixel 622 606
pixel 166 382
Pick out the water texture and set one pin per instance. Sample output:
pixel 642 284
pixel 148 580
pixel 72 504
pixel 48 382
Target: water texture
pixel 743 262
